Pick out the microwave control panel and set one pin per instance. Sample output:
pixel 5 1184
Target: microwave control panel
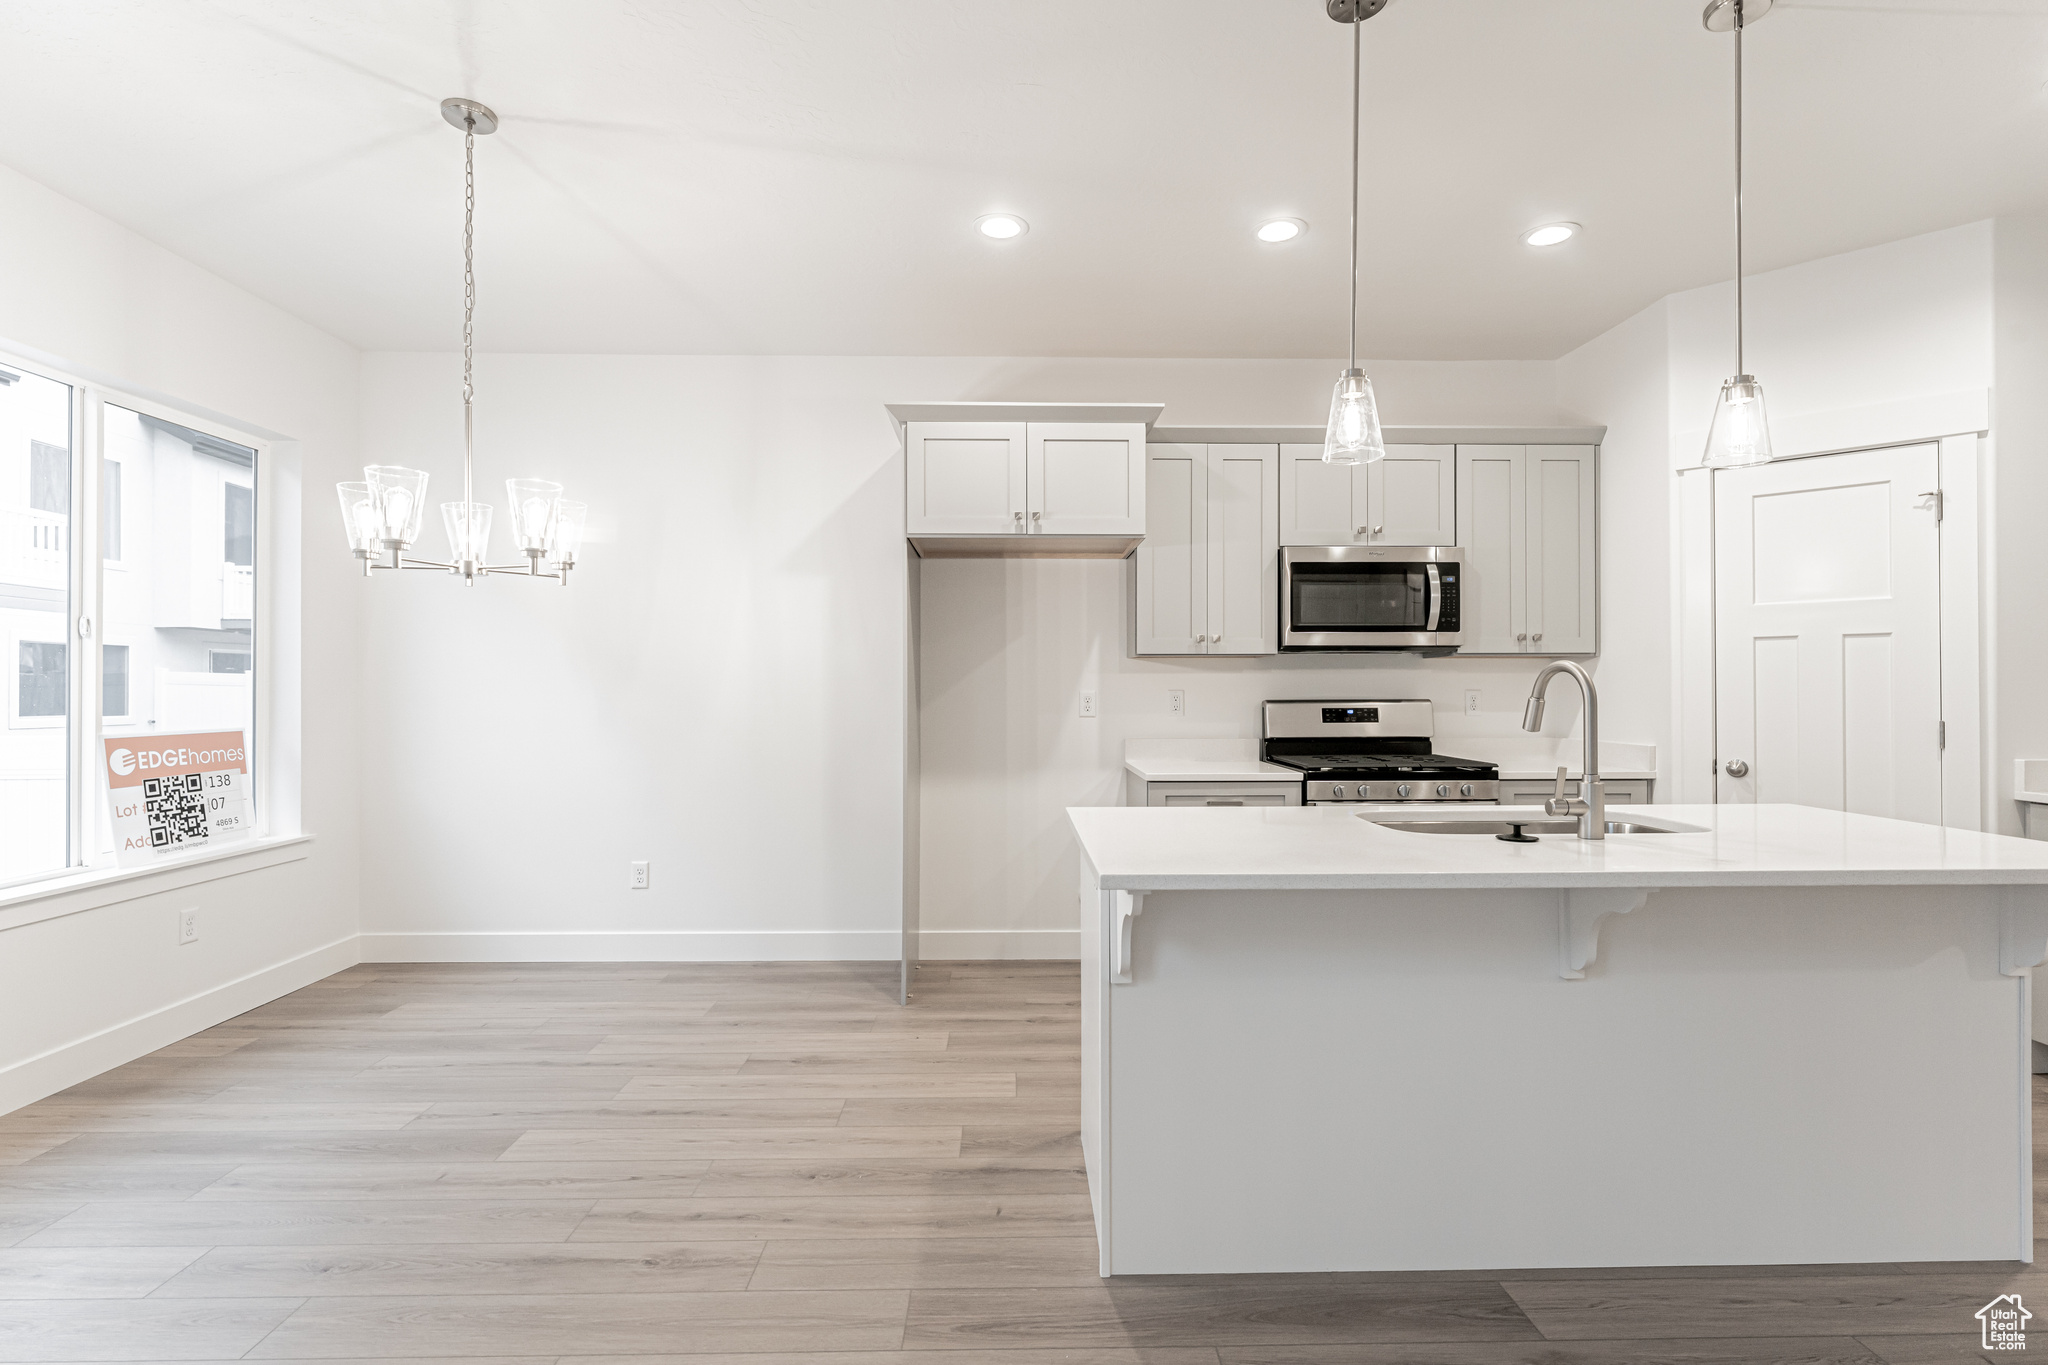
pixel 1447 618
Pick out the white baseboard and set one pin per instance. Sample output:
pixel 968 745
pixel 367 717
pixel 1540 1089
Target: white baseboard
pixel 975 945
pixel 45 1074
pixel 800 945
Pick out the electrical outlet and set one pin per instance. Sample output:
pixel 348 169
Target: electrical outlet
pixel 1087 705
pixel 1472 701
pixel 1176 702
pixel 188 926
pixel 639 881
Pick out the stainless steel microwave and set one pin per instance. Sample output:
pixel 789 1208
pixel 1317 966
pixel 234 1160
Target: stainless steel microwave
pixel 1354 597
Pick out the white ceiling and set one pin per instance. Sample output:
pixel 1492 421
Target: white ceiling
pixel 802 176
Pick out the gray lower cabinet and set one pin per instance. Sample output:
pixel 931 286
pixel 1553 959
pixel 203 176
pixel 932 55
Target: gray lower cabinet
pixel 1140 793
pixel 1634 792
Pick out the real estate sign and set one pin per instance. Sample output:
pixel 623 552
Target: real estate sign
pixel 172 794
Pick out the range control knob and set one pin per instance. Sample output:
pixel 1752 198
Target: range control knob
pixel 1443 789
pixel 1337 792
pixel 1465 790
pixel 1401 790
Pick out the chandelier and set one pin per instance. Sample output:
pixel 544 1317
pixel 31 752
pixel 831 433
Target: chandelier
pixel 1353 434
pixel 382 513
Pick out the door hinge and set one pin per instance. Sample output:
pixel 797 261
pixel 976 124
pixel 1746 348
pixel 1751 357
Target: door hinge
pixel 1941 741
pixel 1939 500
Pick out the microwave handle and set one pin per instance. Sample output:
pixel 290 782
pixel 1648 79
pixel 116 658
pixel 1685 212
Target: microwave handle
pixel 1436 595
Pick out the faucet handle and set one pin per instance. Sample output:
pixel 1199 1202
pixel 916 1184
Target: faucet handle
pixel 1560 782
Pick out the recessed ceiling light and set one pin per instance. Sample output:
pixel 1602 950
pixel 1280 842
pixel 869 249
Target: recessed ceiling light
pixel 1002 225
pixel 1282 230
pixel 1550 234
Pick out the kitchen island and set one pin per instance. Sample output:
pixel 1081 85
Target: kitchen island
pixel 1773 1035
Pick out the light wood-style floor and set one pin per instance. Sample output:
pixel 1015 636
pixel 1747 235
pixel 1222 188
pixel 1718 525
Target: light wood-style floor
pixel 769 1164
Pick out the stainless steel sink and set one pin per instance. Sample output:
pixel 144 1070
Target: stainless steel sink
pixel 1498 827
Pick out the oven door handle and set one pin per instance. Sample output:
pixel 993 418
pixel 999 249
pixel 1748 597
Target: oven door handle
pixel 1436 595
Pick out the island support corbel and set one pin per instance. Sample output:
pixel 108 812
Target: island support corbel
pixel 1579 912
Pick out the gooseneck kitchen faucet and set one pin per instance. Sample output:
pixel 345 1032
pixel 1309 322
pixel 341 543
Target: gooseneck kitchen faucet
pixel 1591 804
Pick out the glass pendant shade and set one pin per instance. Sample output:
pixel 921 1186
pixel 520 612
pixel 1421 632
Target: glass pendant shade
pixel 533 511
pixel 568 532
pixel 1354 432
pixel 401 496
pixel 468 535
pixel 359 517
pixel 1741 433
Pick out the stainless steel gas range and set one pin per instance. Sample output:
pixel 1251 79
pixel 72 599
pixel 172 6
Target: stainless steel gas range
pixel 1365 750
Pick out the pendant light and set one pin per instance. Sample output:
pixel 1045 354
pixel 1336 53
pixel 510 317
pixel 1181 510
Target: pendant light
pixel 1740 433
pixel 382 513
pixel 1353 436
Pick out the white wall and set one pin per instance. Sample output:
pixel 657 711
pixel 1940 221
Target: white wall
pixel 2016 499
pixel 94 988
pixel 718 692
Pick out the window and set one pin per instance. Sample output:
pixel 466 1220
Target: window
pixel 42 690
pixel 114 681
pixel 36 740
pixel 49 477
pixel 110 510
pixel 173 644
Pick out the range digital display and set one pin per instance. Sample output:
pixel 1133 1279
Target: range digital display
pixel 1351 715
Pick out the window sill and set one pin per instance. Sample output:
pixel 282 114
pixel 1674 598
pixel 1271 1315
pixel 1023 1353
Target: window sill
pixel 72 892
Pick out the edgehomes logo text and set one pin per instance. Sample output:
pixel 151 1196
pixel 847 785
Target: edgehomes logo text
pixel 124 761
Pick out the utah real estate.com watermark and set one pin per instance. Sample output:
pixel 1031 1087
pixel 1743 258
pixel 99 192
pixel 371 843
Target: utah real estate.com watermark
pixel 2005 1323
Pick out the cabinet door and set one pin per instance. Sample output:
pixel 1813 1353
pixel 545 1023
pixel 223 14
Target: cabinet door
pixel 1085 478
pixel 1412 496
pixel 1320 504
pixel 964 478
pixel 1170 567
pixel 1491 505
pixel 1244 549
pixel 1563 550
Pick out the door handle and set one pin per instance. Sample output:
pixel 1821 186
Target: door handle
pixel 1735 767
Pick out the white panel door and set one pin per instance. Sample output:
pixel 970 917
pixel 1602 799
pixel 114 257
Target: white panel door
pixel 1170 569
pixel 1562 564
pixel 1412 496
pixel 964 478
pixel 1492 528
pixel 1085 478
pixel 1321 504
pixel 1244 550
pixel 1828 642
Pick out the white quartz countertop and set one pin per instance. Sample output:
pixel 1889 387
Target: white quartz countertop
pixel 1138 848
pixel 1162 768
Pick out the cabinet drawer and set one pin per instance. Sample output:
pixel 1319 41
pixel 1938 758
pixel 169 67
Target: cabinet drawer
pixel 1222 793
pixel 1635 792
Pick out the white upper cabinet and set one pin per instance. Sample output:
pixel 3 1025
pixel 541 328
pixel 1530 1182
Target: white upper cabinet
pixel 1206 579
pixel 1412 496
pixel 1170 568
pixel 1085 478
pixel 1563 551
pixel 1244 550
pixel 1526 519
pixel 1321 504
pixel 965 478
pixel 1014 478
pixel 1409 498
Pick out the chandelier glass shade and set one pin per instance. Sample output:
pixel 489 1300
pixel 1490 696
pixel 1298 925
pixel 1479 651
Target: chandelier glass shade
pixel 381 514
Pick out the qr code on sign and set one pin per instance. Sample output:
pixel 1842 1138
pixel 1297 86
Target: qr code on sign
pixel 176 808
